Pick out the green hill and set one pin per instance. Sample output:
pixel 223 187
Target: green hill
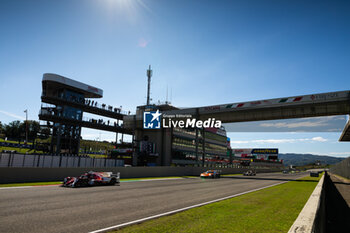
pixel 304 159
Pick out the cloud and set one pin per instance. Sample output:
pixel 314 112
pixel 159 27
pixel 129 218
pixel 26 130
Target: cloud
pixel 313 124
pixel 333 154
pixel 143 43
pixel 295 125
pixel 335 130
pixel 278 141
pixel 319 139
pixel 240 142
pixel 339 153
pixel 12 115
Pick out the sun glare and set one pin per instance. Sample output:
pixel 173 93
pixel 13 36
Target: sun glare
pixel 132 10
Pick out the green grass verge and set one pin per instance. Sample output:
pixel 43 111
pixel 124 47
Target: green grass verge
pixel 272 209
pixel 152 178
pixel 341 177
pixel 9 141
pixel 19 150
pixel 30 184
pixel 232 174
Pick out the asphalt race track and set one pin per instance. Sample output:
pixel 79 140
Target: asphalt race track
pixel 58 209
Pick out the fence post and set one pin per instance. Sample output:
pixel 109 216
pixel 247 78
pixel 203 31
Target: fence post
pixel 44 160
pixel 38 163
pixel 13 157
pixel 24 159
pixel 9 160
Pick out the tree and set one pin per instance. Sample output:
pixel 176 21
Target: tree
pixel 33 130
pixel 17 130
pixel 44 132
pixel 2 135
pixel 14 130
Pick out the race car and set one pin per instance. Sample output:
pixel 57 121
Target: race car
pixel 211 174
pixel 249 173
pixel 92 178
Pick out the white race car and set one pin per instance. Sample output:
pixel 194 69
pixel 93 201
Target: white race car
pixel 92 178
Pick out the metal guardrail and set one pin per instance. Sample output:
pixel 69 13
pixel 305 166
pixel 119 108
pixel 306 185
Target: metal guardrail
pixel 55 161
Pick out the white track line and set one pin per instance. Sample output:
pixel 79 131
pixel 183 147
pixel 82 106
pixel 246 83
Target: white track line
pixel 18 187
pixel 30 186
pixel 179 210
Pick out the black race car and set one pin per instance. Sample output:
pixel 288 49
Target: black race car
pixel 92 178
pixel 249 173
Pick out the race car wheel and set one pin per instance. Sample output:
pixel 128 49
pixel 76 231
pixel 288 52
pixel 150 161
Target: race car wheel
pixel 113 182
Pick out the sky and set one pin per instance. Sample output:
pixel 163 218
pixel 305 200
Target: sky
pixel 203 52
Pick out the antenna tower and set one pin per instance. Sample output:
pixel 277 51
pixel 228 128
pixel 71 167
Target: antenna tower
pixel 149 75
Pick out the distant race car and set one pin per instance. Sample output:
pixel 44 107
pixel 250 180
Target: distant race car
pixel 211 174
pixel 249 173
pixel 92 178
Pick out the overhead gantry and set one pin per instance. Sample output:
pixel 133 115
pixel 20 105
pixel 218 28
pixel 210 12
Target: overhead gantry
pixel 314 105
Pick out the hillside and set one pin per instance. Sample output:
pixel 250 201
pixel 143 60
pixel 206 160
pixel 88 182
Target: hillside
pixel 303 159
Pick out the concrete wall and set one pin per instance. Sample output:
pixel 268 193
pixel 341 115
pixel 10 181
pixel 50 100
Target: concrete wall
pixel 20 175
pixel 342 168
pixel 20 160
pixel 312 217
pixel 325 211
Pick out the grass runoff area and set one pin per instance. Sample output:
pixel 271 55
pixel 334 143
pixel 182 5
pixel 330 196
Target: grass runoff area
pixel 272 209
pixel 30 184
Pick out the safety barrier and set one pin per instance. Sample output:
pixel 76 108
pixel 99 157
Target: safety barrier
pixel 312 216
pixel 20 175
pixel 52 161
pixel 342 168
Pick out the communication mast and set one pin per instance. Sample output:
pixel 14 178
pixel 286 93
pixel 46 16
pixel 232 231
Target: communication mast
pixel 149 75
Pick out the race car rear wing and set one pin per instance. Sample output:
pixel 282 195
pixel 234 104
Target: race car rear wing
pixel 117 176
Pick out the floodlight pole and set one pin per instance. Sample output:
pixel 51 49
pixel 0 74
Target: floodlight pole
pixel 26 111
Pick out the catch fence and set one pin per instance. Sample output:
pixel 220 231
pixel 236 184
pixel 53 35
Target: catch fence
pixel 47 161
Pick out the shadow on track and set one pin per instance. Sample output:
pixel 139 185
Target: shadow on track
pixel 341 183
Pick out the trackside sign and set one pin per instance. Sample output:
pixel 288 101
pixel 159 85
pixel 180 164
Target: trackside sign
pixel 155 120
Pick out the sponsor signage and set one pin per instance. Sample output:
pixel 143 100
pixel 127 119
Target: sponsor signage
pixel 242 151
pixel 93 89
pixel 324 96
pixel 155 120
pixel 264 151
pixel 151 120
